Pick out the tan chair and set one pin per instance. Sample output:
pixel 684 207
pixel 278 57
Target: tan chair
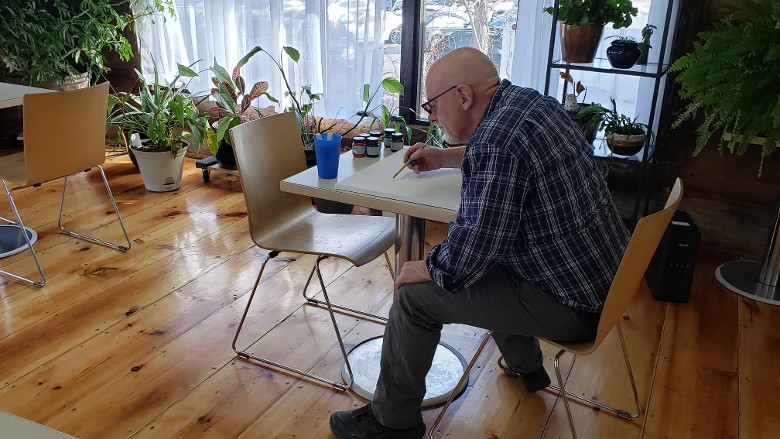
pixel 267 151
pixel 628 278
pixel 64 133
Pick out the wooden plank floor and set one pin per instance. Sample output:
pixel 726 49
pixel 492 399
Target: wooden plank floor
pixel 138 345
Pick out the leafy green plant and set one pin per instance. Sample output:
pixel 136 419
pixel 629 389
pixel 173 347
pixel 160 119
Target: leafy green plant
pixel 301 102
pixel 163 114
pixel 380 112
pixel 233 103
pixel 610 120
pixel 595 12
pixel 647 32
pixel 731 76
pixel 43 40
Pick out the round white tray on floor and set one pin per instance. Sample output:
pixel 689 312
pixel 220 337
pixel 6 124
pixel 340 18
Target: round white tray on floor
pixel 12 242
pixel 448 366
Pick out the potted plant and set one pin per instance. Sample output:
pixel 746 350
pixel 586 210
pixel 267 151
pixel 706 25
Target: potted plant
pixel 582 23
pixel 46 43
pixel 624 136
pixel 165 120
pixel 573 105
pixel 623 52
pixel 233 107
pixel 644 45
pixel 731 77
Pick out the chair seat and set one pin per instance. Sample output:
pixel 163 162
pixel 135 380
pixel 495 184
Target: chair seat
pixel 357 238
pixel 12 168
pixel 580 348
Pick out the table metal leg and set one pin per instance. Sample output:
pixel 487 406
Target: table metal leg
pixel 448 363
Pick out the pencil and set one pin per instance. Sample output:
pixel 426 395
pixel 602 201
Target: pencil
pixel 408 162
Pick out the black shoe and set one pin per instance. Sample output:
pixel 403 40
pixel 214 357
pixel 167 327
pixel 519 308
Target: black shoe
pixel 361 423
pixel 533 381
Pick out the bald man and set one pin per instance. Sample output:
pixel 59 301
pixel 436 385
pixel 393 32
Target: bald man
pixel 532 252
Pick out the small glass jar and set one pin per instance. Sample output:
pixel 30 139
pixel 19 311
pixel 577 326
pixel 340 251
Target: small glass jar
pixel 387 140
pixel 359 146
pixel 372 147
pixel 377 134
pixel 397 142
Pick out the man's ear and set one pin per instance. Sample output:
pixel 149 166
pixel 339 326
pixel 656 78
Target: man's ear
pixel 465 96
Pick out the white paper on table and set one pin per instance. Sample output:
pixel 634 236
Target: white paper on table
pixel 439 188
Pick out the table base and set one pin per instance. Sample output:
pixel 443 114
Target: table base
pixel 448 366
pixel 12 241
pixel 741 277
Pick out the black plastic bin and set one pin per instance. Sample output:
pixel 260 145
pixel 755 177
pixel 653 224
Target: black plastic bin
pixel 670 273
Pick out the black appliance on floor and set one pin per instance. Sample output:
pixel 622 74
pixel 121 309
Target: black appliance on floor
pixel 670 273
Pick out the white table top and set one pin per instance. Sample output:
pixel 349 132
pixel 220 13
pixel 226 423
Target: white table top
pixel 368 182
pixel 12 95
pixel 12 426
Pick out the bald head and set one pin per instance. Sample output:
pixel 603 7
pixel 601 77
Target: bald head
pixel 473 79
pixel 465 65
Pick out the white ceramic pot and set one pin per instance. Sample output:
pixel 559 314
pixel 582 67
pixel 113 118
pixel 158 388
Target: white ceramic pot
pixel 161 171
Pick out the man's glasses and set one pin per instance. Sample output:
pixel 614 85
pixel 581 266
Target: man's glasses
pixel 427 104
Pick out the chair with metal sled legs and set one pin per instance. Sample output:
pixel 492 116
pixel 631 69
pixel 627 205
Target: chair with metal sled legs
pixel 267 151
pixel 626 283
pixel 64 133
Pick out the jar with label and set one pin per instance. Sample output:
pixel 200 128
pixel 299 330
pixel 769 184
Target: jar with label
pixel 397 142
pixel 358 146
pixel 377 134
pixel 388 139
pixel 372 147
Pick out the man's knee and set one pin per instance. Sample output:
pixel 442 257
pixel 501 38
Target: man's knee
pixel 417 302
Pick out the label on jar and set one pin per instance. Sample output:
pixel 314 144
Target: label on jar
pixel 387 140
pixel 372 147
pixel 397 142
pixel 359 146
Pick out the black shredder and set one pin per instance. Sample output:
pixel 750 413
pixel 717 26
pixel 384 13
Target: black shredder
pixel 670 273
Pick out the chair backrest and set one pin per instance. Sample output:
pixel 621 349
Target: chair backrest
pixel 268 150
pixel 644 241
pixel 64 132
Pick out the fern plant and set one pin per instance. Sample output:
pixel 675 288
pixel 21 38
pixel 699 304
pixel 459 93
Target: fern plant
pixel 731 76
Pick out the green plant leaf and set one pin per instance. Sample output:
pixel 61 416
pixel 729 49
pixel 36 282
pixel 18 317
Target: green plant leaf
pixel 292 53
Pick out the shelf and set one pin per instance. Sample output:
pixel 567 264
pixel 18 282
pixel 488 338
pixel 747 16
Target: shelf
pixel 602 65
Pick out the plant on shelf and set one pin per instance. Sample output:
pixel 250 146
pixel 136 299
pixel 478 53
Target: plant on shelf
pixel 574 104
pixel 582 24
pixel 731 77
pixel 644 45
pixel 623 52
pixel 233 107
pixel 50 41
pixel 161 121
pixel 624 135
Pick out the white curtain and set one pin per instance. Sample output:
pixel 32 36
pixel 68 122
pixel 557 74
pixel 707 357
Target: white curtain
pixel 339 42
pixel 632 94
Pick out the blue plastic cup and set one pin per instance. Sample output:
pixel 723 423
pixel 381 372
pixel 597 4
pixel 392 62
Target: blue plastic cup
pixel 327 149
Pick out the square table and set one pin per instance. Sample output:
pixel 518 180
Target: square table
pixel 11 239
pixel 414 198
pixel 12 95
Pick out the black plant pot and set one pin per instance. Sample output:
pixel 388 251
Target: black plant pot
pixel 225 156
pixel 623 54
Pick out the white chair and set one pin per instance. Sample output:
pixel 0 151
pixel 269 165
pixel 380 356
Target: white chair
pixel 64 133
pixel 267 151
pixel 628 278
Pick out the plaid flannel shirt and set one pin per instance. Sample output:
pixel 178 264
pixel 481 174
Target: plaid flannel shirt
pixel 534 202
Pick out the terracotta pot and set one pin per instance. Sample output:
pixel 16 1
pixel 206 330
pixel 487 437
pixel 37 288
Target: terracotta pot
pixel 579 43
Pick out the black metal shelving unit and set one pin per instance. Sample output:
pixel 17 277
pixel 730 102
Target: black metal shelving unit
pixel 656 71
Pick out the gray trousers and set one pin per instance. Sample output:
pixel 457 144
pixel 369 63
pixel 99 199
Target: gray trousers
pixel 514 309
